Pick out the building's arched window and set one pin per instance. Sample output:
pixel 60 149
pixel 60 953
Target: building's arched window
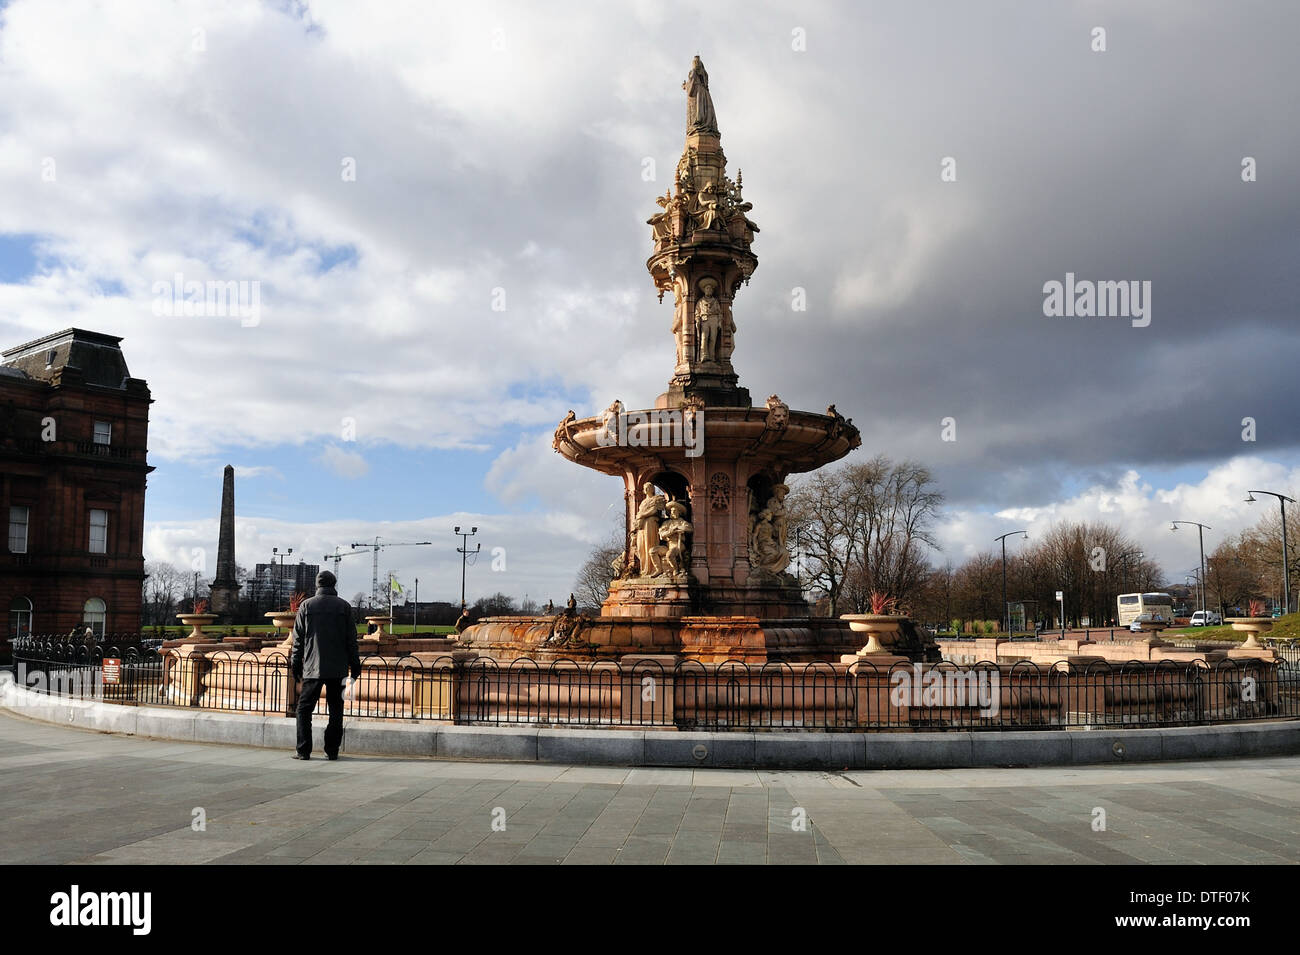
pixel 20 617
pixel 94 615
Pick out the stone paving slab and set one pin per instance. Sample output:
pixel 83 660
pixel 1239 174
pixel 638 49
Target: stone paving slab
pixel 72 795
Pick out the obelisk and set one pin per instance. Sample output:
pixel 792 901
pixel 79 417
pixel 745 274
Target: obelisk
pixel 225 588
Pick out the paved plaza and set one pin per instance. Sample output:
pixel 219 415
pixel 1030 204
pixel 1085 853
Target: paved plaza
pixel 76 796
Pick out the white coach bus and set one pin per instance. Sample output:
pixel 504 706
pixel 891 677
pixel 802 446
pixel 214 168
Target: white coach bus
pixel 1131 606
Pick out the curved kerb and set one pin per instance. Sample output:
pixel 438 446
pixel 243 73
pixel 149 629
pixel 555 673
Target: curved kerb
pixel 663 748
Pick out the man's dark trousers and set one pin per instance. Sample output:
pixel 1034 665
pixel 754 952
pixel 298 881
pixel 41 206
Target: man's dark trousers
pixel 307 702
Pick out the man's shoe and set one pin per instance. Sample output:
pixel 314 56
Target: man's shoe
pixel 331 756
pixel 300 756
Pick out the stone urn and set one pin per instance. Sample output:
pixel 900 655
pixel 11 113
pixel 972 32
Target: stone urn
pixel 382 634
pixel 1151 629
pixel 1253 627
pixel 882 630
pixel 283 620
pixel 197 621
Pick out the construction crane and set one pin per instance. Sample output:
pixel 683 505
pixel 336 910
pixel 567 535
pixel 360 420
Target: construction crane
pixel 336 557
pixel 376 598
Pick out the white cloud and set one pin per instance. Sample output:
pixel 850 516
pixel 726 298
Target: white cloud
pixel 346 464
pixel 1141 510
pixel 577 501
pixel 249 471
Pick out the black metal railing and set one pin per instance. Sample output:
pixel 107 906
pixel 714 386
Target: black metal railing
pixel 687 695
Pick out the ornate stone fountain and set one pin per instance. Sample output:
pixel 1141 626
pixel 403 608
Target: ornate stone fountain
pixel 704 570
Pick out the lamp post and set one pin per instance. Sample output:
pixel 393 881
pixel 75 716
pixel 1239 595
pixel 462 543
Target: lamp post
pixel 1006 611
pixel 276 577
pixel 464 552
pixel 1200 533
pixel 1124 563
pixel 1192 581
pixel 1286 573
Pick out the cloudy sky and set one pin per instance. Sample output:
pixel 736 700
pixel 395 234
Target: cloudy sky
pixel 388 173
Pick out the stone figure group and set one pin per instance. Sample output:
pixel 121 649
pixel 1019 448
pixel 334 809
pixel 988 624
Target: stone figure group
pixel 661 531
pixel 768 548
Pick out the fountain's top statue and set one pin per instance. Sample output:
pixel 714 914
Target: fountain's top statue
pixel 699 104
pixel 702 256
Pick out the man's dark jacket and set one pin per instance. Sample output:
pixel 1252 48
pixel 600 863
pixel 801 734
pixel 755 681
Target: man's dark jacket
pixel 325 638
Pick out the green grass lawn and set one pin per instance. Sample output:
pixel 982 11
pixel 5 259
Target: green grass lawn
pixel 1285 628
pixel 1224 632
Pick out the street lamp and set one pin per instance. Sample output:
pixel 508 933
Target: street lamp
pixel 1192 581
pixel 464 552
pixel 1200 533
pixel 1286 574
pixel 1124 562
pixel 1006 611
pixel 276 578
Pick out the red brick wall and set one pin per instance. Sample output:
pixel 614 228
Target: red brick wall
pixel 61 481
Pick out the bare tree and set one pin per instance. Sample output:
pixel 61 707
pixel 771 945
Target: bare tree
pixel 897 508
pixel 1230 578
pixel 977 588
pixel 820 509
pixel 594 577
pixel 867 527
pixel 1088 563
pixel 496 605
pixel 931 601
pixel 1261 548
pixel 163 588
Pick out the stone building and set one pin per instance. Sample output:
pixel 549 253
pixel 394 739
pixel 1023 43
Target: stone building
pixel 271 586
pixel 74 431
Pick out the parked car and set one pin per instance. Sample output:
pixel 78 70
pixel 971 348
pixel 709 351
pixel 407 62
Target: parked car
pixel 1206 618
pixel 1136 625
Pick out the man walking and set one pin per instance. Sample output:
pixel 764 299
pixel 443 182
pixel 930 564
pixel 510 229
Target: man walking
pixel 324 652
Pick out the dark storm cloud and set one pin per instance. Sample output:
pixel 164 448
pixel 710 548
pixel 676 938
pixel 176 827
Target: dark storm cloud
pixel 1114 166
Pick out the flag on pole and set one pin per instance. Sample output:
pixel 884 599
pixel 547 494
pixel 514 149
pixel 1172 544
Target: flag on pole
pixel 394 586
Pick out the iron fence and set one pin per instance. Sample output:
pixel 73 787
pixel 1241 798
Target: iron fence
pixel 688 695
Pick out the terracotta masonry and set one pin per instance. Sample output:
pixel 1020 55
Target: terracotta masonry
pixel 1079 652
pixel 705 569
